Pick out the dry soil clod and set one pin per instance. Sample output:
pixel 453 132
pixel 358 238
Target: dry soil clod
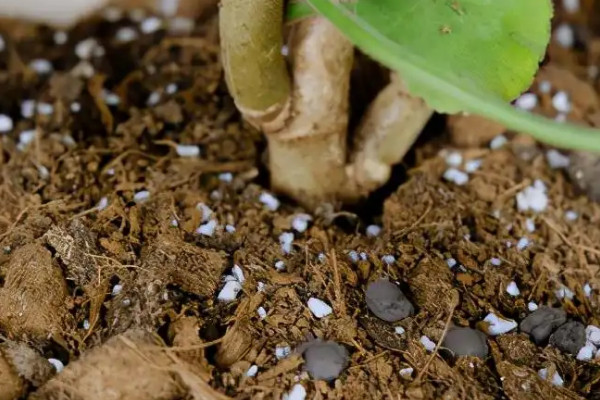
pixel 129 366
pixel 34 295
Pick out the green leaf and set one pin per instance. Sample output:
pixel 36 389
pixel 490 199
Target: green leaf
pixel 297 10
pixel 462 55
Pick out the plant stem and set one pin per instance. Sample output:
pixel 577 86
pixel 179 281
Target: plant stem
pixel 251 42
pixel 308 156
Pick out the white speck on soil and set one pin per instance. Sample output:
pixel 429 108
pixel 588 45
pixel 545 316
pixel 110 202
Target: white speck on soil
pixel 556 378
pixel 531 306
pixel 564 35
pixel 25 138
pixel 530 225
pixel 406 372
pixel 513 289
pixel 60 37
pixel 153 99
pixel 532 198
pixel 229 228
pixel 545 87
pixel 28 108
pixel 41 66
pixel 527 101
pixel 388 259
pixel 587 352
pixel 473 165
pixel 45 108
pixel 102 204
pixel 226 177
pixel 151 25
pixel 205 210
pixel 523 243
pixel 171 88
pixel 564 293
pixel 592 334
pixel 6 123
pixel 57 364
pixel 174 222
pixel 353 256
pixel 456 176
pixel 498 142
pixel 207 229
pixel 141 196
pixel 373 230
pixel 75 107
pixel 427 343
pixel 85 49
pixel 454 159
pixel 262 313
pixel 86 324
pixel 282 352
pixel 319 308
pixel 270 201
pixel 110 98
pixel 587 290
pixel 126 34
pixel 571 215
pixel 187 150
pixel 451 262
pixel 561 102
pixel 252 371
pixel 497 325
pixel 238 274
pixel 260 286
pixel 322 257
pixel 297 393
pixel 557 160
pixel 230 291
pixel 43 172
pixel 117 289
pixel 279 265
pixel 399 330
pixel 285 240
pixel 571 6
pixel 496 262
pixel 300 222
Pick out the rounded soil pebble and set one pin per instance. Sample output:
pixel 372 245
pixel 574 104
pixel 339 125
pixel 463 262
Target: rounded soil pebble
pixel 387 301
pixel 569 338
pixel 540 323
pixel 324 360
pixel 466 342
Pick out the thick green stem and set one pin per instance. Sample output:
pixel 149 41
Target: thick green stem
pixel 255 70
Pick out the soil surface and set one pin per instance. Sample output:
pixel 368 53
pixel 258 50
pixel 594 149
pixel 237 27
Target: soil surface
pixel 141 250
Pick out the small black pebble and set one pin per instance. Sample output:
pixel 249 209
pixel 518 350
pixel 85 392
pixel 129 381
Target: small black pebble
pixel 466 342
pixel 387 301
pixel 569 338
pixel 324 360
pixel 540 323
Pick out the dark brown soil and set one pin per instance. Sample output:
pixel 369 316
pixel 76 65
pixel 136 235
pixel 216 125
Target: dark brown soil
pixel 126 294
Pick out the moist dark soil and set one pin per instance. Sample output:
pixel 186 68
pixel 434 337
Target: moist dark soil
pixel 119 252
